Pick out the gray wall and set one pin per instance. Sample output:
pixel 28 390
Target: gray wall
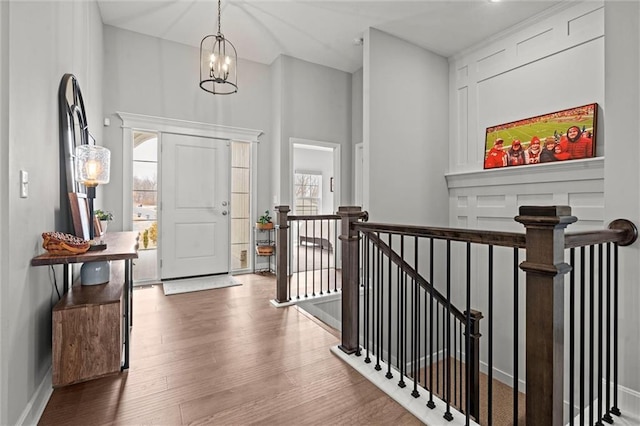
pixel 621 174
pixel 405 132
pixel 149 76
pixel 39 43
pixel 315 104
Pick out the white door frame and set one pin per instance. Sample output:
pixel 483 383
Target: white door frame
pixel 147 123
pixel 358 177
pixel 336 168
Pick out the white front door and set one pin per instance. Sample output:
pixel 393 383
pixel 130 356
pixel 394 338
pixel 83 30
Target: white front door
pixel 195 205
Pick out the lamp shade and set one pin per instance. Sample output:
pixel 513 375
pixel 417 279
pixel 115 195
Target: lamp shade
pixel 92 165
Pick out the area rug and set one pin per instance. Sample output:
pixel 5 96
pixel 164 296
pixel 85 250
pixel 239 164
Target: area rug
pixel 198 284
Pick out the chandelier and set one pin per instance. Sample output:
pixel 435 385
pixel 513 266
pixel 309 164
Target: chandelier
pixel 218 61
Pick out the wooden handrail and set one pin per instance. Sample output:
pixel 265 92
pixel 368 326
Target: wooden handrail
pixel 411 272
pixel 621 231
pixel 313 217
pixel 497 238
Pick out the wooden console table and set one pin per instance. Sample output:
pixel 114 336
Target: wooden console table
pixel 81 353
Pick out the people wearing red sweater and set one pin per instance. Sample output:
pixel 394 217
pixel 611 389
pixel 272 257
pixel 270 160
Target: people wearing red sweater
pixel 560 154
pixel 496 156
pixel 577 145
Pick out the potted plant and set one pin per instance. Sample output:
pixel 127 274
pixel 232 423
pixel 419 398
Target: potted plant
pixel 264 221
pixel 104 217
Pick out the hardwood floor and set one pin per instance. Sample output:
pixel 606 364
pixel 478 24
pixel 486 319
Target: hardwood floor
pixel 226 356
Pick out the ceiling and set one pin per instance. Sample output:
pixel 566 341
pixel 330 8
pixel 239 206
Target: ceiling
pixel 323 32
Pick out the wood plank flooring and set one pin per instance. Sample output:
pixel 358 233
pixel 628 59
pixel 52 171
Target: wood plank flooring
pixel 226 357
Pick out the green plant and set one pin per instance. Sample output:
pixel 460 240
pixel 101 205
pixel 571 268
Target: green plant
pixel 145 238
pixel 265 218
pixel 103 215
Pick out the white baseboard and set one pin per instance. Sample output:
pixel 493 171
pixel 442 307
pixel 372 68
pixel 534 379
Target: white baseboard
pixel 34 409
pixel 416 406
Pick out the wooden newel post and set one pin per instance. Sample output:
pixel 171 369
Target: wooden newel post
pixel 474 365
pixel 282 251
pixel 350 281
pixel 545 269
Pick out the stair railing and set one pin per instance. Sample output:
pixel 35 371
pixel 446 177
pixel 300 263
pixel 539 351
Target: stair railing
pixel 307 255
pixel 398 299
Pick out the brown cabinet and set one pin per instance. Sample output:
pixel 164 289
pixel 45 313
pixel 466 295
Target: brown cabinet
pixel 87 331
pixel 91 323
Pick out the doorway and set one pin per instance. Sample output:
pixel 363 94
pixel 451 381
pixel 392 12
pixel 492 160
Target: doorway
pixel 314 165
pixel 244 143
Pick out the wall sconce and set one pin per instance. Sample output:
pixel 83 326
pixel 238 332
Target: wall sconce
pixel 92 164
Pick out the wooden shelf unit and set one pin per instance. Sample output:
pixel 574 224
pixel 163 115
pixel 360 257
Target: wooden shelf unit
pixel 91 323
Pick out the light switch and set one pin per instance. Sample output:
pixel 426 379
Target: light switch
pixel 24 184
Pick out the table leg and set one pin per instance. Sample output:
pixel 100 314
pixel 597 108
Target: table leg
pixel 127 311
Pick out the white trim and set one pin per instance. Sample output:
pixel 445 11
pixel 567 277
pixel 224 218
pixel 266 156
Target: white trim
pixel 575 170
pixel 416 406
pixel 38 402
pixel 192 128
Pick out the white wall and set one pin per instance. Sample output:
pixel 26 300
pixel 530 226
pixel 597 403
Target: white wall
pixel 40 42
pixel 356 131
pixel 621 173
pixel 405 131
pixel 4 190
pixel 149 76
pixel 573 55
pixel 315 105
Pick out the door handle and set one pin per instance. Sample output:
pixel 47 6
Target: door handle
pixel 224 212
pixel 224 204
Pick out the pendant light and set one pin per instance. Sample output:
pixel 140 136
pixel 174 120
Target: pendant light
pixel 218 61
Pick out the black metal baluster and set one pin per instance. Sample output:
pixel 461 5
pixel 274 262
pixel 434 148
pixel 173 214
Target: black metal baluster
pixel 289 260
pixel 367 296
pixel 402 314
pixel 306 260
pixel 322 255
pixel 516 313
pixel 313 259
pixel 389 352
pixel 591 327
pixel 380 292
pixel 431 404
pixel 415 316
pixel 335 247
pixel 600 284
pixel 447 379
pixel 297 259
pixel 490 341
pixel 607 416
pixel 468 340
pixel 572 313
pixel 582 306
pixel 399 321
pixel 615 410
pixel 455 365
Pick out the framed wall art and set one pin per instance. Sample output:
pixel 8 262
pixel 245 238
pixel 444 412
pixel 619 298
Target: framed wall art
pixel 564 135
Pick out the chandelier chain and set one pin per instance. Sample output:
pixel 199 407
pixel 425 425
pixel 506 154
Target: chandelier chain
pixel 219 17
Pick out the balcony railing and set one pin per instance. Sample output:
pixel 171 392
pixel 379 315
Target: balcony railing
pixel 411 302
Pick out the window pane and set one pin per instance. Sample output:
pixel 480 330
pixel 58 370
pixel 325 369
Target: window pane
pixel 145 147
pixel 240 180
pixel 239 206
pixel 145 176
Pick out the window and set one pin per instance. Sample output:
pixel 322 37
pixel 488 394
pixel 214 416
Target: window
pixel 240 204
pixel 145 203
pixel 308 193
